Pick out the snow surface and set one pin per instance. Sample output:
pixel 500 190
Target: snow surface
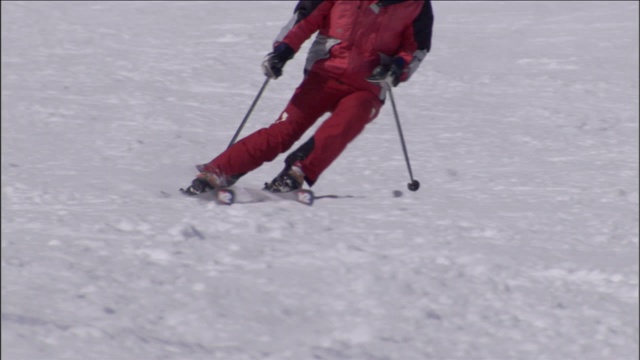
pixel 522 243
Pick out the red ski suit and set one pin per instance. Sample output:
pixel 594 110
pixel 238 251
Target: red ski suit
pixel 354 37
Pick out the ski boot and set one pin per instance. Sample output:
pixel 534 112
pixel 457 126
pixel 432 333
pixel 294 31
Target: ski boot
pixel 205 182
pixel 289 179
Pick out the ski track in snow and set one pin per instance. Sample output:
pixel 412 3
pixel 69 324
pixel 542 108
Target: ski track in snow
pixel 522 126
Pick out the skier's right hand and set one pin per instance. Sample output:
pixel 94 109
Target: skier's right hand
pixel 273 64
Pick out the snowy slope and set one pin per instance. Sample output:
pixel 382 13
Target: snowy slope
pixel 522 126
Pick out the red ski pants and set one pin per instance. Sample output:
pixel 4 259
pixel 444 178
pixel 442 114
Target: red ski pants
pixel 350 109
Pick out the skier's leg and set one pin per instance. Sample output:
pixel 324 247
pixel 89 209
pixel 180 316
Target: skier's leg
pixel 278 184
pixel 309 102
pixel 300 153
pixel 345 123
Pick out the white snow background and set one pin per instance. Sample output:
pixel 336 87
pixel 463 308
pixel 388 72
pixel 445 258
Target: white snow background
pixel 522 243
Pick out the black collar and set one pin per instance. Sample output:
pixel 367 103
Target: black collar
pixel 383 3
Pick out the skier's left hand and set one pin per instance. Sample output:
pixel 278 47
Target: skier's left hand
pixel 389 73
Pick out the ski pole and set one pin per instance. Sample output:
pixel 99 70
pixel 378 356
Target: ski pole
pixel 414 185
pixel 246 117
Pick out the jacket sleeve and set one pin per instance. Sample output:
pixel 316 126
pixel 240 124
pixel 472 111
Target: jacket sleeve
pixel 308 17
pixel 417 40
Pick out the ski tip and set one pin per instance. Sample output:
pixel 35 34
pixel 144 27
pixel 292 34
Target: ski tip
pixel 225 196
pixel 305 197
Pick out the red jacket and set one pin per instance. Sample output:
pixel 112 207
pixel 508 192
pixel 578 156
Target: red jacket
pixel 355 36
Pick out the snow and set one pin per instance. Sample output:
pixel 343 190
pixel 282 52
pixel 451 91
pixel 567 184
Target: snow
pixel 522 243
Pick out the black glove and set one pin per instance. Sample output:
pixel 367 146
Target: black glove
pixel 273 64
pixel 388 73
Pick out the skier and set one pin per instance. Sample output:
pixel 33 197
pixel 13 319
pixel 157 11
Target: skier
pixel 361 49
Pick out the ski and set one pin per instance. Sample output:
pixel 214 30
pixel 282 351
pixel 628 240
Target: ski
pixel 245 195
pixel 252 195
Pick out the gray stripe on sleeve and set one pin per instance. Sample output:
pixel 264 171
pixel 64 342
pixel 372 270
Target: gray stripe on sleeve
pixel 319 49
pixel 285 30
pixel 418 56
